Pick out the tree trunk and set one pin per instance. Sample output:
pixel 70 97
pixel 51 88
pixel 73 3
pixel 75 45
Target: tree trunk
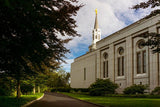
pixel 34 89
pixel 39 90
pixel 18 89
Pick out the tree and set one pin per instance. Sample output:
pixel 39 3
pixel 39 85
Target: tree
pixel 29 30
pixel 59 78
pixel 153 37
pixel 7 86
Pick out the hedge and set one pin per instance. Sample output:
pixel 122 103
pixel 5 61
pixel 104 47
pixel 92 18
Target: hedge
pixel 64 89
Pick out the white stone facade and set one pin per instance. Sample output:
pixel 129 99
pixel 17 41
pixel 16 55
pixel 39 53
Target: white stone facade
pixel 120 58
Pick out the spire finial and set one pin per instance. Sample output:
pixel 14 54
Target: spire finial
pixel 96 11
pixel 96 21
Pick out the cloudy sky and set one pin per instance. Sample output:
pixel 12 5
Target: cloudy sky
pixel 113 15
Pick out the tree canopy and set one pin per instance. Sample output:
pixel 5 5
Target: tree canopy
pixel 30 31
pixel 149 4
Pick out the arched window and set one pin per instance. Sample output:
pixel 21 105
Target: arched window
pixel 105 65
pixel 140 44
pixel 141 57
pixel 120 61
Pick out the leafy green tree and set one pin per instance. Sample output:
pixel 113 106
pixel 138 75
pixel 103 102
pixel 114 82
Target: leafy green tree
pixel 59 78
pixel 153 38
pixel 27 86
pixel 65 76
pixel 7 86
pixel 29 35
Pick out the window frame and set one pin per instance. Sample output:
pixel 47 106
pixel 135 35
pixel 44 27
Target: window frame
pixel 105 65
pixel 120 62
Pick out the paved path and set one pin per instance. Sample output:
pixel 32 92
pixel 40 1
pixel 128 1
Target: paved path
pixel 59 100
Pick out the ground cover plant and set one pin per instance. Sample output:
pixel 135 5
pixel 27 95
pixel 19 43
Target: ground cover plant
pixel 12 101
pixel 118 101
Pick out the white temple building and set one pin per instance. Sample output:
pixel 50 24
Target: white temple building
pixel 119 57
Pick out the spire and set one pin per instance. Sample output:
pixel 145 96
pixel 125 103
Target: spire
pixel 96 35
pixel 96 21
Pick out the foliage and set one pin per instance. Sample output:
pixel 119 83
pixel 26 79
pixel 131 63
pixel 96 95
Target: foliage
pixel 118 101
pixel 80 89
pixel 102 87
pixel 147 4
pixel 42 81
pixel 7 86
pixel 11 101
pixel 45 82
pixel 68 89
pixel 135 89
pixel 57 79
pixel 156 91
pixel 61 89
pixel 30 35
pixel 153 38
pixel 27 87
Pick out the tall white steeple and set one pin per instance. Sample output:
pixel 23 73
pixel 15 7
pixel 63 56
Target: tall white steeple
pixel 96 34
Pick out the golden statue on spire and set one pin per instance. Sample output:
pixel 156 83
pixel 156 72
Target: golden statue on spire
pixel 96 11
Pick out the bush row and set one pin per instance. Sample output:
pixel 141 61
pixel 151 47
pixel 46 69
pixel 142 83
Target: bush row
pixel 64 89
pixel 106 87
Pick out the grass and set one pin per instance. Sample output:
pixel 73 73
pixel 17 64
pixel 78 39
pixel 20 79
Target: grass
pixel 118 101
pixel 11 101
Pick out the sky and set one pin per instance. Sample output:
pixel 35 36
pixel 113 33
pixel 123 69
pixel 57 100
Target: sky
pixel 113 15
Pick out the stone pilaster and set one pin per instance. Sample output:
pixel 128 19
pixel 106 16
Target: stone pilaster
pixel 111 62
pixel 98 73
pixel 129 61
pixel 153 64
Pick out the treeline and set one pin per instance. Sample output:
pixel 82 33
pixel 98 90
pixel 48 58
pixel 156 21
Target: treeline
pixel 35 84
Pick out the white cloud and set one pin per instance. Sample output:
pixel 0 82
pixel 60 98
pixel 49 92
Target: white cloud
pixel 113 15
pixel 110 18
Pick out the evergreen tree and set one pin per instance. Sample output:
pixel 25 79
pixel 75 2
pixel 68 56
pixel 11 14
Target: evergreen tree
pixel 29 35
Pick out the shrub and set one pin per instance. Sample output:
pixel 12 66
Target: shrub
pixel 97 92
pixel 80 89
pixel 135 89
pixel 61 89
pixel 102 87
pixel 156 91
pixel 68 89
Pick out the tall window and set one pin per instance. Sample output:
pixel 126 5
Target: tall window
pixel 105 65
pixel 141 59
pixel 141 62
pixel 120 62
pixel 84 73
pixel 138 63
pixel 144 61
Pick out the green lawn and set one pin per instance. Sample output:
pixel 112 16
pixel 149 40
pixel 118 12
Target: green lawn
pixel 119 101
pixel 10 101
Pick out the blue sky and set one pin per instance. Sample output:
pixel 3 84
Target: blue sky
pixel 113 15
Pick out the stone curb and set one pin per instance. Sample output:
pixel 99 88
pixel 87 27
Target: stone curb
pixel 33 101
pixel 83 100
